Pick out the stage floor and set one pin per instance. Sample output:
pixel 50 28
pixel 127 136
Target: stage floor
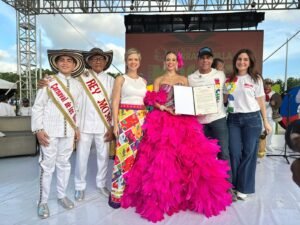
pixel 276 201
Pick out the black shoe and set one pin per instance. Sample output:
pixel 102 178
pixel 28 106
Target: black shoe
pixel 114 205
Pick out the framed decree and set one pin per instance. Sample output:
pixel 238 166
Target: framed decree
pixel 199 100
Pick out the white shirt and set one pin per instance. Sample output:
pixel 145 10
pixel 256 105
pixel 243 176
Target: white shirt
pixel 25 111
pixel 91 122
pixel 242 94
pixel 133 91
pixel 269 110
pixel 6 109
pixel 46 115
pixel 216 78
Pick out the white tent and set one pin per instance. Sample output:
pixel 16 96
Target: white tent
pixel 7 85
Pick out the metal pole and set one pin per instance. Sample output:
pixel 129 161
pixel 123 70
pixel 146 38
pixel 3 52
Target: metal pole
pixel 40 53
pixel 286 64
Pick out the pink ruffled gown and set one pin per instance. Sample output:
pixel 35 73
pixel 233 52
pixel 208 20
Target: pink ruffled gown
pixel 176 167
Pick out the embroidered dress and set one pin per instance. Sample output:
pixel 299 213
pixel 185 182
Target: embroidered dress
pixel 130 117
pixel 176 166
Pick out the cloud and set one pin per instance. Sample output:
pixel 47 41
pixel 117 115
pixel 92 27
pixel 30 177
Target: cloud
pixel 286 16
pixel 82 31
pixel 3 54
pixel 278 27
pixel 8 67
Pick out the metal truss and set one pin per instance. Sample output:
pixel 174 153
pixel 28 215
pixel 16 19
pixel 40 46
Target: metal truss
pixel 148 6
pixel 28 9
pixel 27 55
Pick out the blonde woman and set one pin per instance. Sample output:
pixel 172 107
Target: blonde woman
pixel 128 116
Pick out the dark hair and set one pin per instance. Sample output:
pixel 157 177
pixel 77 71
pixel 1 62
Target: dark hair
pixel 215 62
pixel 251 70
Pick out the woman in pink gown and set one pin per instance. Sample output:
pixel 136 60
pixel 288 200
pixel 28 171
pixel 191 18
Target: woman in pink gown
pixel 176 166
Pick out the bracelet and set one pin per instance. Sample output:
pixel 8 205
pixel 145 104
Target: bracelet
pixel 162 107
pixel 36 131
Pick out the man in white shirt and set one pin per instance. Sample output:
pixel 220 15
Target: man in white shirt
pixel 55 122
pixel 94 127
pixel 25 110
pixel 215 125
pixel 5 108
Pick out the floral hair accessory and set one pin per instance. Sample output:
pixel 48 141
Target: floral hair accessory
pixel 180 60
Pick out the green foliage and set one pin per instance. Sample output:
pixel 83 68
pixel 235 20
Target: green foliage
pixel 291 82
pixel 11 77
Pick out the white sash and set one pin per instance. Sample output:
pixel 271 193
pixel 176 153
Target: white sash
pixel 62 98
pixel 98 96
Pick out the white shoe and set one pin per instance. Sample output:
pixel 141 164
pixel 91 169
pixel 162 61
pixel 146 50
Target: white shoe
pixel 66 203
pixel 43 211
pixel 79 195
pixel 270 149
pixel 104 191
pixel 241 196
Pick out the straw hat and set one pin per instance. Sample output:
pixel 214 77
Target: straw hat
pixel 75 54
pixel 97 51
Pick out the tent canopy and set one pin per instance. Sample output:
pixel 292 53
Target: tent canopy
pixel 4 84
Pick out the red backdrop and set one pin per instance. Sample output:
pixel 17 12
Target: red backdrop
pixel 153 47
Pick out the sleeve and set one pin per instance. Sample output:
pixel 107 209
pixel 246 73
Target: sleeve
pixel 38 109
pixel 259 89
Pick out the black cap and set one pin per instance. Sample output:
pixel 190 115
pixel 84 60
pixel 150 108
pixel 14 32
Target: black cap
pixel 205 51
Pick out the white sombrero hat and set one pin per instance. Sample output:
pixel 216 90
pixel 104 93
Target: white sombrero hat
pixel 75 54
pixel 97 51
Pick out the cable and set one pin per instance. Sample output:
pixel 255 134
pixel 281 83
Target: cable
pixel 281 46
pixel 82 35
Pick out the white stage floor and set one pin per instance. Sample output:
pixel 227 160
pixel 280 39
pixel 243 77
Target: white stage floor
pixel 276 201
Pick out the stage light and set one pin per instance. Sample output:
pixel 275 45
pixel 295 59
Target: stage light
pixel 132 7
pixel 253 4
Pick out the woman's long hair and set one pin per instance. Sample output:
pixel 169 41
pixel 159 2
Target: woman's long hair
pixel 251 69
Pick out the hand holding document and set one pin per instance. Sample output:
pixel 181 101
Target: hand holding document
pixel 195 100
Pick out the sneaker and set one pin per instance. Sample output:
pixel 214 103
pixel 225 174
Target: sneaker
pixel 66 203
pixel 104 191
pixel 241 196
pixel 43 210
pixel 233 195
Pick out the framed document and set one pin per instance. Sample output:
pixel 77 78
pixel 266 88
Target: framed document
pixel 195 100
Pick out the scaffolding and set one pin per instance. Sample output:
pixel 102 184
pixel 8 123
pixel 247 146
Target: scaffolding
pixel 27 10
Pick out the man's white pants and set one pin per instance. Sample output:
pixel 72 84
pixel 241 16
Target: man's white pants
pixel 57 154
pixel 270 135
pixel 82 156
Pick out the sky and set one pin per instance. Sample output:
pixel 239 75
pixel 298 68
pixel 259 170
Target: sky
pixel 107 31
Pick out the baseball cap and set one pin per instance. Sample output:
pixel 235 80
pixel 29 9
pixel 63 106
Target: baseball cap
pixel 205 51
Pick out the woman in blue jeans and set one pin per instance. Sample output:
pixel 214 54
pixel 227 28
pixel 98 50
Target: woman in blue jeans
pixel 245 95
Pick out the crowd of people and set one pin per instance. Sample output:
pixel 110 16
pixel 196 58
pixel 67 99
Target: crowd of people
pixel 163 162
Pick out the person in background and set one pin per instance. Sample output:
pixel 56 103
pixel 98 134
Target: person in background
pixel 176 166
pixel 268 95
pixel 5 108
pixel 218 64
pixel 128 115
pixel 246 106
pixel 25 110
pixel 55 123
